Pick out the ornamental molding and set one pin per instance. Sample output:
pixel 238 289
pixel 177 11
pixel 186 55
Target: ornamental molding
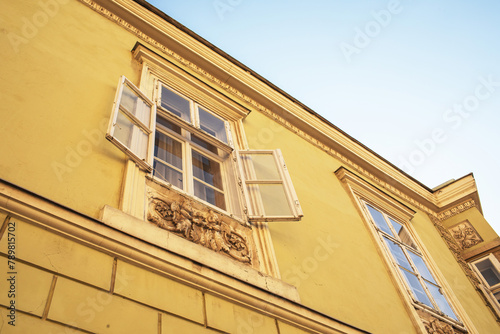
pixel 434 325
pixel 465 235
pixel 458 209
pixel 186 64
pixel 438 327
pixel 200 226
pixel 456 250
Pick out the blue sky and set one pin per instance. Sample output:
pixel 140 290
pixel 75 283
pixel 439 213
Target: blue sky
pixel 418 82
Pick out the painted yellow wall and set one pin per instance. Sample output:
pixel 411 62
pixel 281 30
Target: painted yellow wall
pixel 329 255
pixel 351 256
pixel 54 114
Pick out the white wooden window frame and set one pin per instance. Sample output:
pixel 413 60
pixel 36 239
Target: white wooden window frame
pixel 406 248
pixel 188 146
pixel 132 150
pixel 490 290
pixel 195 119
pixel 254 204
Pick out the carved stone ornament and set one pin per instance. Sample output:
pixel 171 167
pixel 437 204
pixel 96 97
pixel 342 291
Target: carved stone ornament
pixel 465 235
pixel 433 325
pixel 203 227
pixel 439 327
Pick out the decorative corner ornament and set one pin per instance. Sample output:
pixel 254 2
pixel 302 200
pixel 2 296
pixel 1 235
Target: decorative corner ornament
pixel 203 227
pixel 465 235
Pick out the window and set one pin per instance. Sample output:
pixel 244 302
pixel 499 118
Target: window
pixel 409 262
pixel 489 272
pixel 186 145
pixel 190 148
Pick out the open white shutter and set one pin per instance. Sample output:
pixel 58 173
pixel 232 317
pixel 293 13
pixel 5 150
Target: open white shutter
pixel 267 186
pixel 131 125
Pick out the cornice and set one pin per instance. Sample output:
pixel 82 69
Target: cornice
pixel 455 210
pixel 306 124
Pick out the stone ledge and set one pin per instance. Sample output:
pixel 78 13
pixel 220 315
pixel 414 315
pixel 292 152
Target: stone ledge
pixel 142 230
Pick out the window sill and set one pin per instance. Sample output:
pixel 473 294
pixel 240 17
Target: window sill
pixel 232 268
pixel 429 315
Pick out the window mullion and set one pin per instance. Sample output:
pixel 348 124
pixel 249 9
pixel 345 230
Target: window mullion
pixel 394 232
pixel 188 168
pixel 195 118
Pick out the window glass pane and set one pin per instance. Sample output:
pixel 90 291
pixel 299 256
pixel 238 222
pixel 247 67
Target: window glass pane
pixel 168 150
pixel 124 132
pixel 417 288
pixel 123 129
pixel 379 220
pixel 207 170
pixel 167 124
pixel 271 199
pixel 398 254
pixel 175 103
pixel 497 296
pixel 403 234
pixel 421 267
pixel 212 125
pixel 260 167
pixel 441 300
pixel 489 272
pixel 168 160
pixel 135 105
pixel 167 173
pixel 204 144
pixel 209 194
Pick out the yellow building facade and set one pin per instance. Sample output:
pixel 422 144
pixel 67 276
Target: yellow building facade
pixel 150 183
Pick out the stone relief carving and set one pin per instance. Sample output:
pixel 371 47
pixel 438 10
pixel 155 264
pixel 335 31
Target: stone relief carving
pixel 456 250
pixel 204 227
pixel 438 327
pixel 433 325
pixel 465 235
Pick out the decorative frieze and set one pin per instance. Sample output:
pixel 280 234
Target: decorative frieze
pixel 456 210
pixel 433 325
pixel 202 226
pixel 465 234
